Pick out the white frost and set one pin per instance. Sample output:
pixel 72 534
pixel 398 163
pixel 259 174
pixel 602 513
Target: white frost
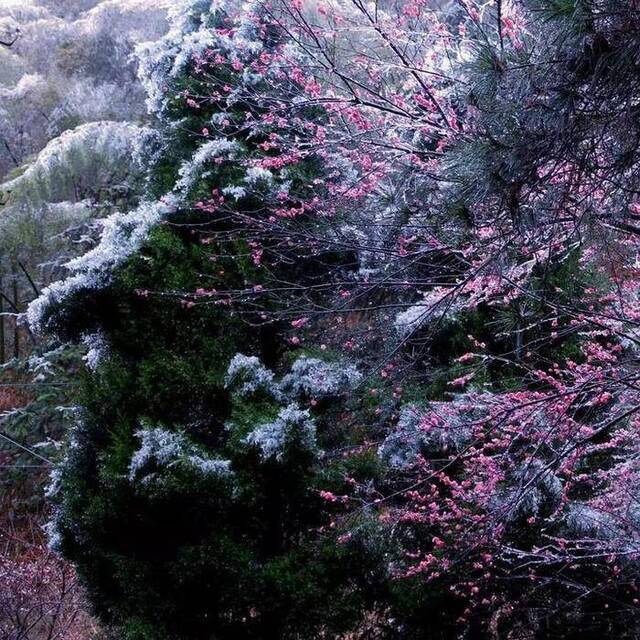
pixel 246 375
pixel 319 379
pixel 161 449
pixel 292 427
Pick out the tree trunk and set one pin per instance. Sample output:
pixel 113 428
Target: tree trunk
pixel 16 327
pixel 3 353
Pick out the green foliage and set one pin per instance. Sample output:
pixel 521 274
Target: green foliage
pixel 575 12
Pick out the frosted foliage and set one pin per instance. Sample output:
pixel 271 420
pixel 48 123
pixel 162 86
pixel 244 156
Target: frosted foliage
pixel 97 349
pixel 246 375
pixel 319 379
pixel 411 319
pixel 308 377
pixel 30 86
pixel 55 479
pixel 54 538
pixel 237 193
pixel 140 20
pixel 23 10
pixel 255 175
pixel 423 432
pixel 190 35
pixel 12 68
pixel 105 101
pixel 190 26
pixel 535 489
pixel 438 303
pixel 51 296
pixel 192 45
pixel 96 154
pixel 158 447
pixel 135 19
pixel 165 58
pixel 292 428
pixel 122 236
pixel 585 521
pixel 161 450
pixel 186 15
pixel 196 167
pixel 80 56
pixel 23 103
pixel 40 37
pixel 25 227
pixel 78 449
